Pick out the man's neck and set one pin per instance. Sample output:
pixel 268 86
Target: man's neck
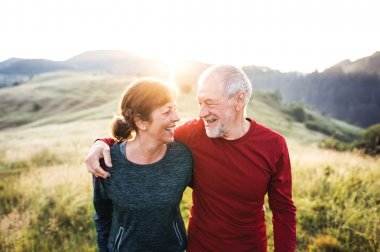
pixel 238 129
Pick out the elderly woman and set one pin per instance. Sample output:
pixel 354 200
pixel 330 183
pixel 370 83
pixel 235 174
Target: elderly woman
pixel 137 207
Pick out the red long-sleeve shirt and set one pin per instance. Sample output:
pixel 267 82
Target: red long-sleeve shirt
pixel 231 178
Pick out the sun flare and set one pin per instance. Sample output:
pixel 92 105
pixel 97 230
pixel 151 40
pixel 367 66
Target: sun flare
pixel 172 63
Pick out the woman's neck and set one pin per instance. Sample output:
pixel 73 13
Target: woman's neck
pixel 144 152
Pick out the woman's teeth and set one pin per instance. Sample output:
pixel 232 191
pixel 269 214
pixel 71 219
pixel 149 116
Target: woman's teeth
pixel 170 129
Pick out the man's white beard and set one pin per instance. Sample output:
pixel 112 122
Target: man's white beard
pixel 216 131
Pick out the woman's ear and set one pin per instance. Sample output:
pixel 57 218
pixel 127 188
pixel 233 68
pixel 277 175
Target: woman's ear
pixel 141 124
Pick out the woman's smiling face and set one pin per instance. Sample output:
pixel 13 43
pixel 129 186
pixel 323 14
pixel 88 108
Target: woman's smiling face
pixel 162 122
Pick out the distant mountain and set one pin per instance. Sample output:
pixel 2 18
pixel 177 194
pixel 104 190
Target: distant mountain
pixel 348 90
pixel 114 62
pixel 31 66
pixel 369 65
pixel 9 62
pixel 14 70
pixel 103 55
pixel 104 61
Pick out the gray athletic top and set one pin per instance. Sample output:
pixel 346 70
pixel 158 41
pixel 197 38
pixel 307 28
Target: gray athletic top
pixel 137 208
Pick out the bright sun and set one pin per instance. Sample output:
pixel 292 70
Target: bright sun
pixel 169 57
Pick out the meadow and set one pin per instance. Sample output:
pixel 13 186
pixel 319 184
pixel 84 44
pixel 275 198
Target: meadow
pixel 48 124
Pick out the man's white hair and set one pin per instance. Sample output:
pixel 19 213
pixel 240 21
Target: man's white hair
pixel 233 79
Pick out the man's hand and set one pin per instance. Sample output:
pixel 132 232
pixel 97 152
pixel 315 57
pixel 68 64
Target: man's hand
pixel 98 150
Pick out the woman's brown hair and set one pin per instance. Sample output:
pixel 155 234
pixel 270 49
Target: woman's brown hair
pixel 139 100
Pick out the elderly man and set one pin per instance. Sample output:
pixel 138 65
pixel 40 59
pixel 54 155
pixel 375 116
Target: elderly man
pixel 237 161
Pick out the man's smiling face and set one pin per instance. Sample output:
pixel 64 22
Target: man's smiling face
pixel 216 110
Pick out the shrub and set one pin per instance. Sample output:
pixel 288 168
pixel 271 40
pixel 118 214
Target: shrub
pixel 371 140
pixel 331 130
pixel 332 143
pixel 325 243
pixel 185 87
pixel 185 82
pixel 319 126
pixel 297 112
pixel 273 99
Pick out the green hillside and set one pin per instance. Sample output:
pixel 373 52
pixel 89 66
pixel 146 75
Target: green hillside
pixel 48 124
pixel 58 98
pixel 67 96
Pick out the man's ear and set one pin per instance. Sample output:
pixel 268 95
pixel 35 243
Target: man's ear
pixel 239 101
pixel 141 124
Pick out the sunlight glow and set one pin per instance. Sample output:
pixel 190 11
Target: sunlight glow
pixel 288 35
pixel 172 64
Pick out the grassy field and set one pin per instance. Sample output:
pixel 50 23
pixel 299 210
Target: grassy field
pixel 47 126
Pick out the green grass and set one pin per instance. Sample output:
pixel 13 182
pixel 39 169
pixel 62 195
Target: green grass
pixel 45 190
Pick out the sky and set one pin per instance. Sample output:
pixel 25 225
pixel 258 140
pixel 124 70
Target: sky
pixel 287 35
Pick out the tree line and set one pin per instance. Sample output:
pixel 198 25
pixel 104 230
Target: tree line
pixel 352 97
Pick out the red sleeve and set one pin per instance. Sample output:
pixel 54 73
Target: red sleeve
pixel 181 133
pixel 108 141
pixel 281 203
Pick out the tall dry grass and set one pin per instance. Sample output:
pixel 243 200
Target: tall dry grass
pixel 47 197
pixel 338 200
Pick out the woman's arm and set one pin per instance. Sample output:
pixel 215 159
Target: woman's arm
pixel 103 213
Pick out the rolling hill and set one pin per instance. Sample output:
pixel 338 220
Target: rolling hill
pixel 62 97
pixel 349 91
pixel 48 123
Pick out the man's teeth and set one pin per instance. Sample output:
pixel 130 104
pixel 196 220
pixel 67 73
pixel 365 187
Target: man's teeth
pixel 170 129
